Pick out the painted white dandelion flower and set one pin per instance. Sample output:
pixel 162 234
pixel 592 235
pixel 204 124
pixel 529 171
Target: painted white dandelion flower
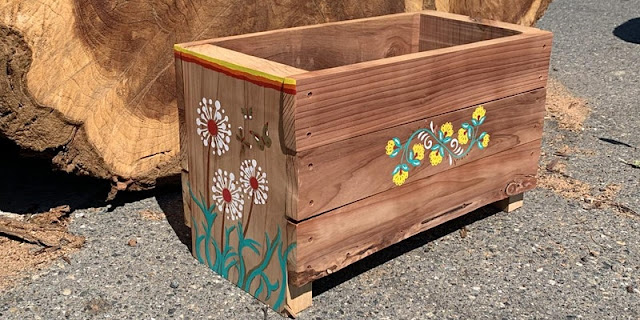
pixel 213 128
pixel 254 181
pixel 227 194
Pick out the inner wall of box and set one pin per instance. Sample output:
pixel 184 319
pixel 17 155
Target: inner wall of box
pixel 328 46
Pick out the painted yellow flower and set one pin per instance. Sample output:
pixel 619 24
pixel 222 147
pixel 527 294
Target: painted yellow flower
pixel 390 147
pixel 485 140
pixel 479 113
pixel 400 177
pixel 447 129
pixel 435 158
pixel 462 136
pixel 418 151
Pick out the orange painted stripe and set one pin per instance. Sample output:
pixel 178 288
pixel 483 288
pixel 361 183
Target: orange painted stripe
pixel 255 79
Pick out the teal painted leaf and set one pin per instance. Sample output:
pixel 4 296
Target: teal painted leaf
pixel 475 123
pixel 435 147
pixel 482 135
pixel 481 120
pixel 480 145
pixel 465 126
pixel 440 135
pixel 398 167
pixel 404 167
pixel 395 153
pixel 442 151
pixel 447 140
pixel 397 142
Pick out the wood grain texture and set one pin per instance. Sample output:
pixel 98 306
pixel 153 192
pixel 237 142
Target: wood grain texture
pixel 340 173
pixel 522 12
pixel 353 100
pixel 298 299
pixel 94 80
pixel 246 61
pixel 510 204
pixel 262 214
pixel 330 45
pixel 184 138
pixel 336 239
pixel 441 32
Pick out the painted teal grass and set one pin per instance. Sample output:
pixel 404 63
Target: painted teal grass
pixel 229 257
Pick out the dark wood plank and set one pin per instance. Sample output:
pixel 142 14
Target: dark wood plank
pixel 336 239
pixel 331 45
pixel 345 102
pixel 440 32
pixel 340 173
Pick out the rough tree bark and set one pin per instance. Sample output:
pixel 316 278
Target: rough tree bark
pixel 92 81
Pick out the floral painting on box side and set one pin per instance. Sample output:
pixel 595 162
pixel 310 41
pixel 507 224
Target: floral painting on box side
pixel 439 143
pixel 229 191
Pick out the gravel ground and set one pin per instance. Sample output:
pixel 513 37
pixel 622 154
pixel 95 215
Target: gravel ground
pixel 551 259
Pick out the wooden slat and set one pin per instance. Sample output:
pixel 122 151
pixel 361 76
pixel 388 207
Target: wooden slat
pixel 439 32
pixel 337 174
pixel 494 23
pixel 344 102
pixel 184 138
pixel 246 61
pixel 332 44
pixel 336 239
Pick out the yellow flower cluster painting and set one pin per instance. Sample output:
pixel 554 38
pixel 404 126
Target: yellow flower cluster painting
pixel 440 143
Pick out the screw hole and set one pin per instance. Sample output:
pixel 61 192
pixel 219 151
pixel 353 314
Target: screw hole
pixel 540 77
pixel 310 166
pixel 309 134
pixel 311 203
pixel 544 46
pixel 309 94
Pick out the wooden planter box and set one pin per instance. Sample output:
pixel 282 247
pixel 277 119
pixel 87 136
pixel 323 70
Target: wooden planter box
pixel 308 149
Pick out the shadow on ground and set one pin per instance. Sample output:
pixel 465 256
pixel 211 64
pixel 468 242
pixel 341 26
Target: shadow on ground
pixel 170 201
pixel 31 185
pixel 629 31
pixel 327 283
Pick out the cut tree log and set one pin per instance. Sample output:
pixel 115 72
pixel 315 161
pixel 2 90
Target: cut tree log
pixel 93 82
pixel 523 12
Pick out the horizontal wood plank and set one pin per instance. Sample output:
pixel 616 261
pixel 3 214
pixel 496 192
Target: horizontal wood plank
pixel 246 61
pixel 344 102
pixel 336 239
pixel 439 32
pixel 480 21
pixel 332 44
pixel 337 174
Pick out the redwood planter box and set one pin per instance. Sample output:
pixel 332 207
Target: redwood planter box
pixel 308 149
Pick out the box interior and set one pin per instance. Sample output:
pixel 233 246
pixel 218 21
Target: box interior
pixel 333 45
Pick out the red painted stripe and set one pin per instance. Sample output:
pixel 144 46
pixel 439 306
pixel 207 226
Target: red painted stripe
pixel 264 82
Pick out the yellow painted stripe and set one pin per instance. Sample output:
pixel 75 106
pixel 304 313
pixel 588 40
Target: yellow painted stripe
pixel 235 67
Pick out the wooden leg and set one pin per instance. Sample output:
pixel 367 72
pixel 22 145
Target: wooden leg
pixel 298 299
pixel 186 198
pixel 511 203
